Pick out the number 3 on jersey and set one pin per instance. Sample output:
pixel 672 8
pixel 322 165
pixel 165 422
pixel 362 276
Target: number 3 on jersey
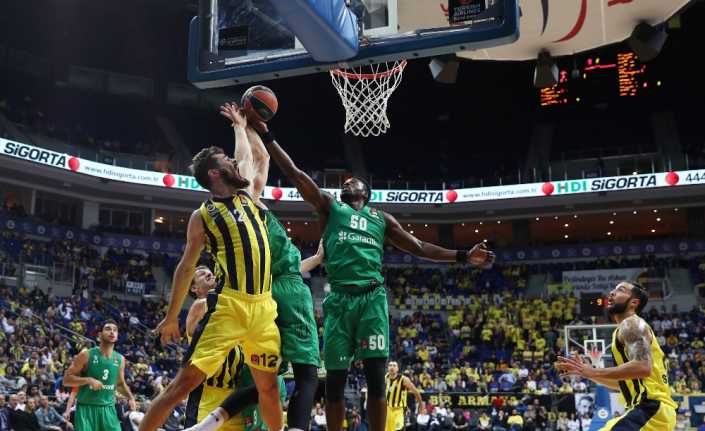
pixel 357 222
pixel 105 374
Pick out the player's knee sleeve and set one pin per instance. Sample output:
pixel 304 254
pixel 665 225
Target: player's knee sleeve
pixel 239 400
pixel 299 412
pixel 335 385
pixel 374 375
pixel 306 378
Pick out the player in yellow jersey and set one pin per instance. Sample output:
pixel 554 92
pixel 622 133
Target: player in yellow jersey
pixel 214 390
pixel 641 372
pixel 398 387
pixel 231 227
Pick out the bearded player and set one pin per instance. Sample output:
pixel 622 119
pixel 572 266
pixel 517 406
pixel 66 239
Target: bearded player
pixel 641 372
pixel 296 322
pixel 232 228
pixel 356 324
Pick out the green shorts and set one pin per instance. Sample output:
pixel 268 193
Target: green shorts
pixel 92 418
pixel 251 416
pixel 355 326
pixel 296 322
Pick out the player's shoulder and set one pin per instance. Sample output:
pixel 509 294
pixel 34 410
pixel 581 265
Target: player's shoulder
pixel 633 326
pixel 633 321
pixel 196 214
pixel 199 303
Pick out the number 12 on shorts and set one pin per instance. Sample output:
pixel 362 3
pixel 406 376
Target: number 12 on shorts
pixel 376 342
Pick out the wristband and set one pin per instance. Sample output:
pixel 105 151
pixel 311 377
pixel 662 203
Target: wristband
pixel 267 137
pixel 461 256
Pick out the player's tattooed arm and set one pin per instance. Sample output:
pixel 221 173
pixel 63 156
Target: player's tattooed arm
pixel 635 335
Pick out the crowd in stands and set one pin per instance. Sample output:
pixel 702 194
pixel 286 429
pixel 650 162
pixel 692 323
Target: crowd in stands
pixel 41 333
pixel 496 341
pixel 107 271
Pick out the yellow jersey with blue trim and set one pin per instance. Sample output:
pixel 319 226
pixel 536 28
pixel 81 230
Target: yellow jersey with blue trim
pixel 396 391
pixel 237 238
pixel 655 387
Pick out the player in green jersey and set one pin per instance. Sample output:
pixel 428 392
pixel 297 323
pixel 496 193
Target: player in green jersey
pixel 356 324
pixel 98 372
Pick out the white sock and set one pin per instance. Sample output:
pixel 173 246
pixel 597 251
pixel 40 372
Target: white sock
pixel 295 429
pixel 212 422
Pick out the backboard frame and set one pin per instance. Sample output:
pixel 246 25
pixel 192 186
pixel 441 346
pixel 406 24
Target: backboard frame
pixel 417 44
pixel 594 332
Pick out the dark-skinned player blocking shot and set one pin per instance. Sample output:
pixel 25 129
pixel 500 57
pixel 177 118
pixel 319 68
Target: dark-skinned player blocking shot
pixel 356 323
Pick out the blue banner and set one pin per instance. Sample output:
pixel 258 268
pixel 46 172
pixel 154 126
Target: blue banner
pixel 668 246
pixel 85 236
pixel 509 255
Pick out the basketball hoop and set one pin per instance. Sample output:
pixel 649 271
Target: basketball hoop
pixel 595 355
pixel 365 91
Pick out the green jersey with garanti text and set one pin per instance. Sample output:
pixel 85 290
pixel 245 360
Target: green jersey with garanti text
pixel 354 245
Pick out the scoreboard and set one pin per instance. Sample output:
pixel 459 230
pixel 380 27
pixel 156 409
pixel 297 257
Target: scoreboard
pixel 592 304
pixel 599 79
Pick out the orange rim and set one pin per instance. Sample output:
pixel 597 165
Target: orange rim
pixel 352 75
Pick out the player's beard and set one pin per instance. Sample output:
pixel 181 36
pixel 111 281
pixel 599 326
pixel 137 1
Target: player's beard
pixel 233 180
pixel 349 196
pixel 615 309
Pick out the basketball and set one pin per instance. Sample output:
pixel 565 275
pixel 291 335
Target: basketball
pixel 261 102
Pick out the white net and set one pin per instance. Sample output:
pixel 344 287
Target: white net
pixel 365 91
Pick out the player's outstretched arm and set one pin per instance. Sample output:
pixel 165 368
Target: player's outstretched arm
pixel 562 366
pixel 403 240
pixel 195 241
pixel 312 262
pixel 635 335
pixel 260 160
pixel 309 190
pixel 243 147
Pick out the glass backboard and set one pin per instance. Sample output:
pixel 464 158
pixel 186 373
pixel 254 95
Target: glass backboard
pixel 238 41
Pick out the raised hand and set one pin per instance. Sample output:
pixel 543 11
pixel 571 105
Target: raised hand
pixel 234 113
pixel 480 256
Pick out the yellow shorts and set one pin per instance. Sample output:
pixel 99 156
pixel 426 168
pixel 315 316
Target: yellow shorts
pixel 234 319
pixel 204 400
pixel 648 415
pixel 395 419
